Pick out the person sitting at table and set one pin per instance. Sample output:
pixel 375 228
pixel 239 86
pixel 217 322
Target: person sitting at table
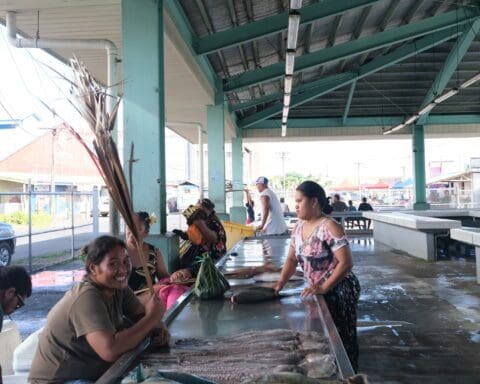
pixel 205 233
pixel 85 331
pixel 319 245
pixel 351 220
pixel 364 206
pixel 158 272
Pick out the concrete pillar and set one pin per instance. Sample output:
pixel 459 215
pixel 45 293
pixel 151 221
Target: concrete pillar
pixel 418 145
pixel 216 156
pixel 237 171
pixel 238 213
pixel 144 110
pixel 144 116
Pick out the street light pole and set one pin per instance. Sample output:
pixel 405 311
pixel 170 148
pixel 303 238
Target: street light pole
pixel 283 156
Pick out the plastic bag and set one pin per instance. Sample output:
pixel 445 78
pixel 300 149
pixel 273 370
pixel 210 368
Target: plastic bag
pixel 210 283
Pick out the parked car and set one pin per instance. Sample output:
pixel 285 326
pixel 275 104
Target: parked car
pixel 7 244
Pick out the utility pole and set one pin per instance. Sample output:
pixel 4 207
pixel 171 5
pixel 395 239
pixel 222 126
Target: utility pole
pixel 359 164
pixel 284 156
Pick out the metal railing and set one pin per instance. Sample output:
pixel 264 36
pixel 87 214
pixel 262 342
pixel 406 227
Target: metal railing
pixel 68 211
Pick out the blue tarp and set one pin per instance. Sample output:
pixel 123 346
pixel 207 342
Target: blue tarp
pixel 403 184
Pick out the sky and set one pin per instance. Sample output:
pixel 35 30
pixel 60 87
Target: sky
pixel 25 79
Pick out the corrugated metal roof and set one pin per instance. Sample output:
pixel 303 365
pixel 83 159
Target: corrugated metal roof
pixel 397 90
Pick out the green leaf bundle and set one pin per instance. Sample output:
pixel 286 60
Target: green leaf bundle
pixel 210 283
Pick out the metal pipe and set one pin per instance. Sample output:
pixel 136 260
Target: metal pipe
pixel 112 60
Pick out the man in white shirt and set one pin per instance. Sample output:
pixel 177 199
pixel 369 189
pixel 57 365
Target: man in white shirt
pixel 272 215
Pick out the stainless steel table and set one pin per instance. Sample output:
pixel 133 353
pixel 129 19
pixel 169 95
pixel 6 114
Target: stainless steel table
pixel 192 317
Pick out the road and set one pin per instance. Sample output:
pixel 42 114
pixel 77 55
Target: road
pixel 56 242
pixel 61 241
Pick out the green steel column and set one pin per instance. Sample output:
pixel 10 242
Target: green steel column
pixel 216 156
pixel 144 111
pixel 237 171
pixel 418 143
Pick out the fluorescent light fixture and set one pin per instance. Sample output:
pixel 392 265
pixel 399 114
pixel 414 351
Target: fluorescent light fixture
pixel 286 99
pixel 411 119
pixel 287 88
pixel 396 128
pixel 295 4
pixel 284 130
pixel 446 95
pixel 427 109
pixel 284 119
pixel 285 110
pixel 293 26
pixel 289 62
pixel 470 81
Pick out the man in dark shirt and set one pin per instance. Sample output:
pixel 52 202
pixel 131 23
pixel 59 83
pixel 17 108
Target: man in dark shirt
pixel 15 287
pixel 338 205
pixel 364 206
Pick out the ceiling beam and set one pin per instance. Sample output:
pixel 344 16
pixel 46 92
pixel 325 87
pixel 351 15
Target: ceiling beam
pixel 349 102
pixel 326 85
pixel 355 47
pixel 368 121
pixel 450 66
pixel 274 24
pixel 176 13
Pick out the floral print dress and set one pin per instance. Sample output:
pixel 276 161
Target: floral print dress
pixel 316 256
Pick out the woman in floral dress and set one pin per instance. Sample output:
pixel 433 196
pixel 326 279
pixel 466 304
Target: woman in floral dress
pixel 319 245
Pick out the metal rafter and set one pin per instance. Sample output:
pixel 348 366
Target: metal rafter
pixel 331 37
pixel 249 10
pixel 383 23
pixel 234 20
pixel 408 18
pixel 435 7
pixel 374 120
pixel 450 65
pixel 355 47
pixel 274 24
pixel 349 102
pixel 412 11
pixel 329 84
pixel 356 32
pixel 208 23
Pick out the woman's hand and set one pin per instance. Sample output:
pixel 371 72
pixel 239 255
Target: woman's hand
pixel 278 287
pixel 317 289
pixel 181 275
pixel 161 336
pixel 154 308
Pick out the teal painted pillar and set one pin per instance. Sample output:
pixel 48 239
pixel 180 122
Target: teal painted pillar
pixel 216 156
pixel 420 182
pixel 238 213
pixel 237 171
pixel 144 116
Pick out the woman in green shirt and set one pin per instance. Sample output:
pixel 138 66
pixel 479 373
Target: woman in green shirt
pixel 85 333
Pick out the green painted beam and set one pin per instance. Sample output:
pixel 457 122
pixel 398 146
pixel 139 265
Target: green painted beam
pixel 450 65
pixel 349 102
pixel 326 85
pixel 370 121
pixel 355 47
pixel 182 24
pixel 274 24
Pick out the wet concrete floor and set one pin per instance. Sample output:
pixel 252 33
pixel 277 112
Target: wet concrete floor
pixel 419 322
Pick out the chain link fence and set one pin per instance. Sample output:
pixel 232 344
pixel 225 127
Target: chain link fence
pixel 50 227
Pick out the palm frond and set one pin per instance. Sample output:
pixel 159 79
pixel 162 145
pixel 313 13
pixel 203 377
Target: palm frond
pixel 91 101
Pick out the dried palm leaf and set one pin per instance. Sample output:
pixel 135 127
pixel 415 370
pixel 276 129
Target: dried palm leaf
pixel 91 103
